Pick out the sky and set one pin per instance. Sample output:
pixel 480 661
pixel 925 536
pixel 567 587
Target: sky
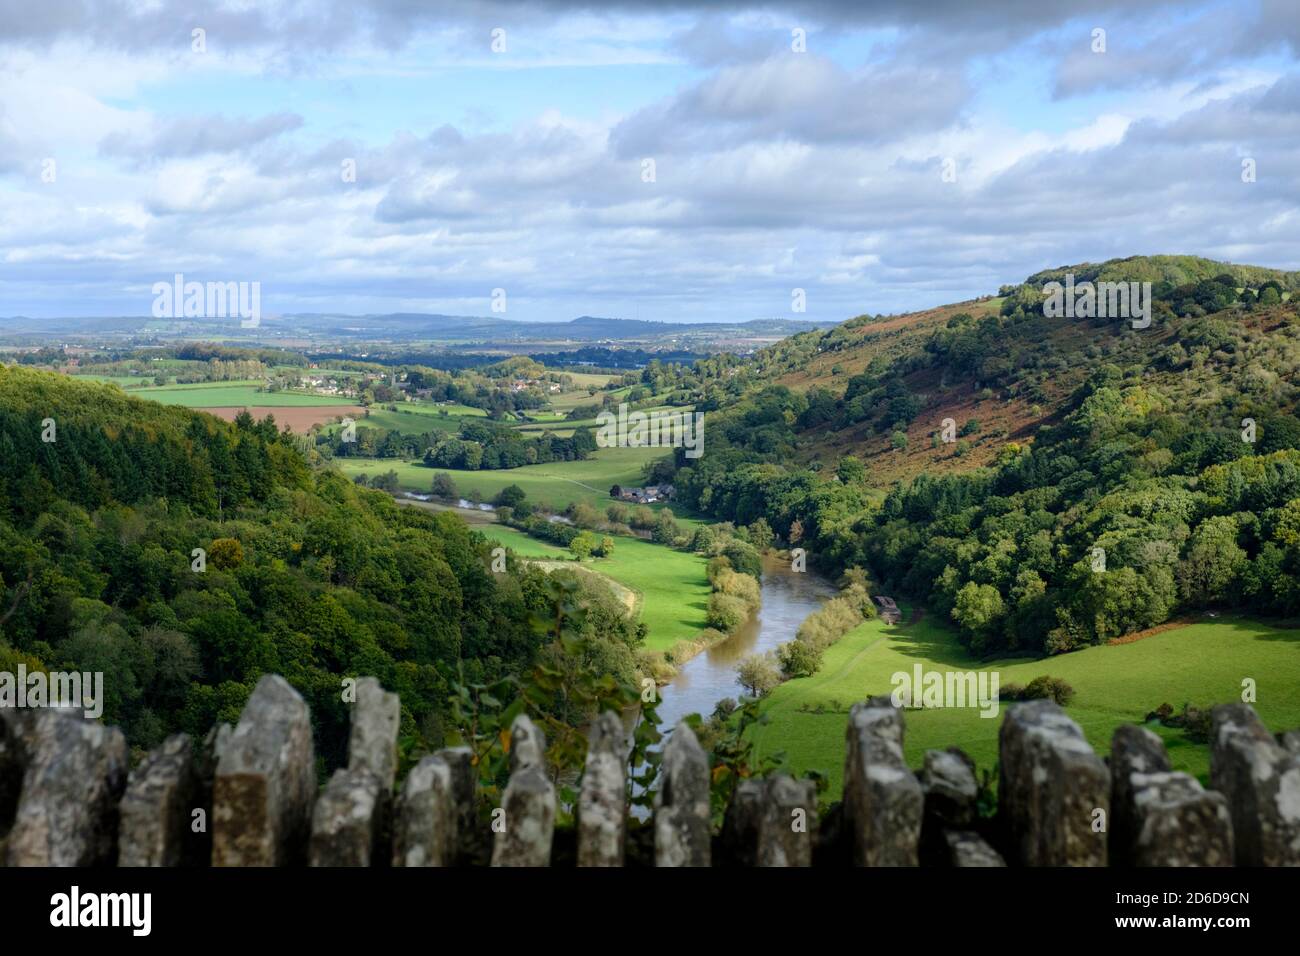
pixel 709 161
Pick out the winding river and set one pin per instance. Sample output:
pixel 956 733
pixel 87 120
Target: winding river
pixel 788 598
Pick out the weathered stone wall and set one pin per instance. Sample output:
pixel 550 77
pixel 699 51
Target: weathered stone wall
pixel 247 796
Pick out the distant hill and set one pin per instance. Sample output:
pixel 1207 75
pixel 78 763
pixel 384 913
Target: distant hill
pixel 407 327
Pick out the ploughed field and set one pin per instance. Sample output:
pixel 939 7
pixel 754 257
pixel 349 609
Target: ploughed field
pixel 298 419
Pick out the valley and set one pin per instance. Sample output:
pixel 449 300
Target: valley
pixel 972 459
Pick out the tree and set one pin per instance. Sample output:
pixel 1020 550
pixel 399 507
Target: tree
pixel 388 481
pixel 851 470
pixel 226 554
pixel 727 612
pixel 512 496
pixel 796 531
pixel 760 534
pixel 444 487
pixel 1212 562
pixel 665 530
pixel 799 659
pixel 583 545
pixel 977 607
pixel 758 674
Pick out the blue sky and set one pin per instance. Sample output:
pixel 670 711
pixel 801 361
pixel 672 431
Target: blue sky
pixel 126 156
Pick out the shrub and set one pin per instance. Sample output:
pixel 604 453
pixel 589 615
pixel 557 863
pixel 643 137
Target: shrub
pixel 724 708
pixel 1053 688
pixel 726 613
pixel 680 652
pixel 744 559
pixel 512 496
pixel 739 585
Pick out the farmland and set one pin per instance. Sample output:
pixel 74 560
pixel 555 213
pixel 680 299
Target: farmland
pixel 671 586
pixel 1203 663
pixel 557 484
pixel 231 395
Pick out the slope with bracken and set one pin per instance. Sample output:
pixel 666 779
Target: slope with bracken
pixel 1167 455
pixel 1000 368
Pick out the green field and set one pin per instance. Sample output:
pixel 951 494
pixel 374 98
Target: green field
pixel 558 484
pixel 124 381
pixel 453 410
pixel 585 379
pixel 234 395
pixel 672 586
pixel 407 422
pixel 1202 664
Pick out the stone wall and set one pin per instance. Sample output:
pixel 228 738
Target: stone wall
pixel 247 796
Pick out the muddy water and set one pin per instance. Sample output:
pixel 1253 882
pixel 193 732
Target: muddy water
pixel 788 598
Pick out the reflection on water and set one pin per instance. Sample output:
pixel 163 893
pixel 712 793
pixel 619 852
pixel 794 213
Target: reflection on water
pixel 788 598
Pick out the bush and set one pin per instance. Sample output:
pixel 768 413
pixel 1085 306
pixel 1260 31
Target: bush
pixel 715 567
pixel 739 585
pixel 680 652
pixel 1053 688
pixel 727 613
pixel 744 559
pixel 832 621
pixel 724 708
pixel 512 496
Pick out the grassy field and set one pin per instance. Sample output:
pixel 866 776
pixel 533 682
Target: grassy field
pixel 565 402
pixel 557 483
pixel 585 379
pixel 671 585
pixel 1203 663
pixel 123 380
pixel 233 395
pixel 408 422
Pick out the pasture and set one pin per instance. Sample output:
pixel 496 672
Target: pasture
pixel 1203 663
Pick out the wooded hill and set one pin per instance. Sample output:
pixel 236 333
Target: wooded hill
pixel 1073 438
pixel 1000 368
pixel 106 502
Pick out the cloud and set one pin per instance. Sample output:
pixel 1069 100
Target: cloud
pixel 186 136
pixel 774 170
pixel 798 97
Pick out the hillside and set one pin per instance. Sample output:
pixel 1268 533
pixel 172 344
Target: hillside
pixel 184 557
pixel 1098 479
pixel 999 362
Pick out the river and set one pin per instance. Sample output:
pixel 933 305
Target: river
pixel 788 598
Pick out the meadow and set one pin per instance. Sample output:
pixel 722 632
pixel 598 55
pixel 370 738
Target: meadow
pixel 558 484
pixel 233 395
pixel 671 586
pixel 1202 663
